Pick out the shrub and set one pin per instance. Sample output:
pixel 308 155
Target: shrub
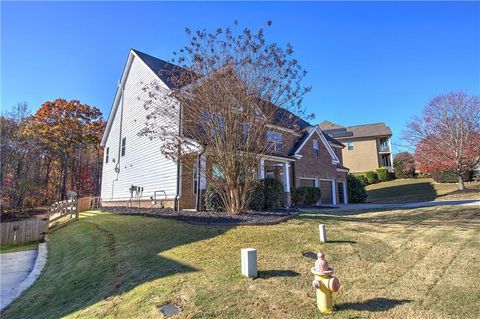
pixel 306 195
pixel 404 165
pixel 372 177
pixel 213 201
pixel 273 193
pixel 257 201
pixel 356 189
pixel 450 176
pixel 362 178
pixel 382 174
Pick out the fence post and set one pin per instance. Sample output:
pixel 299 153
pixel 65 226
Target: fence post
pixel 76 209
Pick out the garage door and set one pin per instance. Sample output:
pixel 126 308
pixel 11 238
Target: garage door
pixel 326 190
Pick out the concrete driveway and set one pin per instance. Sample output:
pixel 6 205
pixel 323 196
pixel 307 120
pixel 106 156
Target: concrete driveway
pixel 14 269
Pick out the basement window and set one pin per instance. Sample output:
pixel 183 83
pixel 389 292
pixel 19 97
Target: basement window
pixel 124 142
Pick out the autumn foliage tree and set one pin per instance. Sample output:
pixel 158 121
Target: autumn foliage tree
pixel 45 154
pixel 226 90
pixel 404 165
pixel 447 135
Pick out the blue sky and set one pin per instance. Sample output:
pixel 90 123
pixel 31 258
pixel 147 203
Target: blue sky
pixel 367 62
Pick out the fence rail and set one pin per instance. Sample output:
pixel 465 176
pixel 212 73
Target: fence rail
pixel 60 214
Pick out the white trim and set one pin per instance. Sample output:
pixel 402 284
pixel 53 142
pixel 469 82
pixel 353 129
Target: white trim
pixel 278 159
pixel 342 170
pixel 284 129
pixel 314 179
pixel 337 146
pixel 316 129
pixel 345 193
pixel 286 178
pixel 261 168
pixel 131 56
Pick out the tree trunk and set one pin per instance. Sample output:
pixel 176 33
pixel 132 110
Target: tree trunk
pixel 461 185
pixel 63 186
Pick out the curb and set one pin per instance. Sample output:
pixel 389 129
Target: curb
pixel 40 262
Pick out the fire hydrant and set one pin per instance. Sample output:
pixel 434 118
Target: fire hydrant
pixel 325 283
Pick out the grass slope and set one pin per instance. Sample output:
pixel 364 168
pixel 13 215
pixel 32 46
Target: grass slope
pixel 422 263
pixel 419 190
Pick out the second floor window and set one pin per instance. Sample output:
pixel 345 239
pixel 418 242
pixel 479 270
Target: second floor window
pixel 316 150
pixel 217 172
pixel 275 141
pixel 107 153
pixel 350 146
pixel 124 142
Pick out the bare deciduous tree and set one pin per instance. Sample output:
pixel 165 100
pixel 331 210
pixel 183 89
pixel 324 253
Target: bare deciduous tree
pixel 447 136
pixel 229 88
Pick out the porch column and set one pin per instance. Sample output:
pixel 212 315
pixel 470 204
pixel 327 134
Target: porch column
pixel 345 194
pixel 261 169
pixel 286 184
pixel 334 192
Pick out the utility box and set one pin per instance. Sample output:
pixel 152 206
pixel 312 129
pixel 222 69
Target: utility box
pixel 249 262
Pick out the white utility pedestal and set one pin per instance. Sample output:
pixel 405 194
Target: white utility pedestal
pixel 249 262
pixel 323 233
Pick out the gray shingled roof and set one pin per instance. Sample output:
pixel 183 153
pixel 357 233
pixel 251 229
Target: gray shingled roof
pixel 356 131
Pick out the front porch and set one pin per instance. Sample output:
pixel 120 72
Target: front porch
pixel 278 168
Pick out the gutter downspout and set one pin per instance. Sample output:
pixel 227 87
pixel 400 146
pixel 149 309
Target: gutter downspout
pixel 177 191
pixel 117 166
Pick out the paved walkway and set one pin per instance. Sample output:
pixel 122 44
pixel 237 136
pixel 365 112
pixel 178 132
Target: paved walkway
pixel 349 207
pixel 14 269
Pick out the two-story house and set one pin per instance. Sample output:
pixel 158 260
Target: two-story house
pixel 367 146
pixel 135 171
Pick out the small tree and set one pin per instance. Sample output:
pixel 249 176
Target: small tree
pixel 225 91
pixel 447 136
pixel 404 165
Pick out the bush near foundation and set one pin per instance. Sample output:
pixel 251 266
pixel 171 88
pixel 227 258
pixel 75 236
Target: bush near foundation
pixel 273 193
pixel 306 196
pixel 404 165
pixel 372 177
pixel 213 201
pixel 382 174
pixel 356 189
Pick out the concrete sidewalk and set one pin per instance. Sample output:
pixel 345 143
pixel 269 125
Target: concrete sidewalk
pixel 350 207
pixel 14 269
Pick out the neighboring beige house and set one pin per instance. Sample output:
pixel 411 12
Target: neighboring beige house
pixel 367 146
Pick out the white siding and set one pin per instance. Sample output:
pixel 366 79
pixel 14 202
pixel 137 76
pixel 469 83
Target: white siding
pixel 143 164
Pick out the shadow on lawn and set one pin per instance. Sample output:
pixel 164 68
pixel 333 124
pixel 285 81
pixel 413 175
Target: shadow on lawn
pixel 375 304
pixel 265 274
pixel 103 256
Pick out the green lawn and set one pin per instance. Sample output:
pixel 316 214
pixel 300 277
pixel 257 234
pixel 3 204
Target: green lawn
pixel 419 190
pixel 15 248
pixel 422 263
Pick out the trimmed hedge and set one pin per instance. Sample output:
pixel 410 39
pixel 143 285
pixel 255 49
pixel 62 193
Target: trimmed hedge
pixel 356 189
pixel 451 177
pixel 372 177
pixel 305 195
pixel 382 174
pixel 213 201
pixel 273 193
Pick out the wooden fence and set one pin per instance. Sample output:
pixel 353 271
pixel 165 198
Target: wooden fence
pixel 23 231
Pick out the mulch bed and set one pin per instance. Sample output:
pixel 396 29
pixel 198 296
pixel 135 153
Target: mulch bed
pixel 209 218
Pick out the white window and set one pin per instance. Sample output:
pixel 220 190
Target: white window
pixel 195 177
pixel 275 141
pixel 124 144
pixel 350 146
pixel 316 151
pixel 217 172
